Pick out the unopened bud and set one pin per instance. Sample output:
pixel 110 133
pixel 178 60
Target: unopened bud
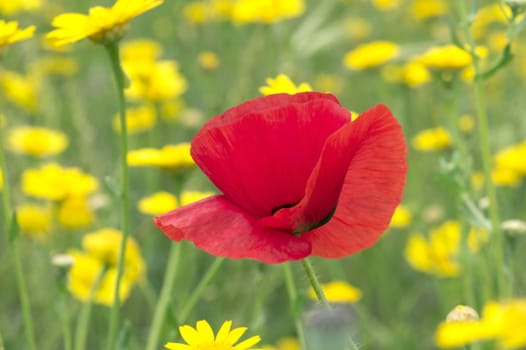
pixel 462 313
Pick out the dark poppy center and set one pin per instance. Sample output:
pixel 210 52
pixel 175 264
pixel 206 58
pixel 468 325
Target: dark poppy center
pixel 316 224
pixel 290 205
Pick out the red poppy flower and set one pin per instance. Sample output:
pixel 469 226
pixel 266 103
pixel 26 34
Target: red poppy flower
pixel 298 179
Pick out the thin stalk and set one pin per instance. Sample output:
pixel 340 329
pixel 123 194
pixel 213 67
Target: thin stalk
pixel 198 291
pixel 311 275
pixel 81 332
pixel 499 261
pixel 164 298
pixel 15 252
pixel 113 53
pixel 293 299
pixel 66 328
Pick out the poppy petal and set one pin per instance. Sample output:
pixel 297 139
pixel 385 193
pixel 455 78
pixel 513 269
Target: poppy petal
pixel 261 160
pixel 220 228
pixel 372 186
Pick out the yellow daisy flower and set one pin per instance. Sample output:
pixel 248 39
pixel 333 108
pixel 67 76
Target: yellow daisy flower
pixel 10 33
pixel 283 84
pixel 503 321
pixel 158 203
pixel 371 55
pixel 170 156
pixel 401 217
pixel 12 7
pixel 202 337
pixel 102 24
pixel 434 139
pixel 54 182
pixel 338 292
pixel 98 263
pixel 34 220
pixel 36 141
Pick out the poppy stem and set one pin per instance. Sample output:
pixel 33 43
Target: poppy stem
pixel 311 275
pixel 113 53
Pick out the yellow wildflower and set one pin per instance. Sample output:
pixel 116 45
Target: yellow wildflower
pixel 338 292
pixel 208 60
pixel 488 16
pixel 138 119
pixel 54 182
pixel 10 33
pixel 413 74
pixel 36 141
pixel 87 273
pixel 436 255
pixel 75 213
pixel 1 180
pixel 162 202
pixel 143 50
pixel 401 217
pixel 431 140
pixel 283 84
pixel 170 156
pixel 154 81
pixel 287 343
pixel 512 158
pixel 19 89
pixel 499 176
pixel 202 337
pixel 425 9
pixel 34 220
pixel 501 321
pixel 158 203
pixel 265 11
pixel 13 7
pixel 371 55
pixel 449 57
pixel 386 5
pixel 102 24
pixel 188 197
pixel 98 263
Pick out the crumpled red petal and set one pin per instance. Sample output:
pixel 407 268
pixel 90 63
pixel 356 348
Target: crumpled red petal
pixel 261 153
pixel 221 228
pixel 372 187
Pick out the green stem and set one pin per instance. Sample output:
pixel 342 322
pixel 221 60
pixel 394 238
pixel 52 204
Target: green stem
pixel 499 261
pixel 198 291
pixel 113 52
pixel 293 299
pixel 311 275
pixel 164 298
pixel 17 261
pixel 81 332
pixel 66 329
